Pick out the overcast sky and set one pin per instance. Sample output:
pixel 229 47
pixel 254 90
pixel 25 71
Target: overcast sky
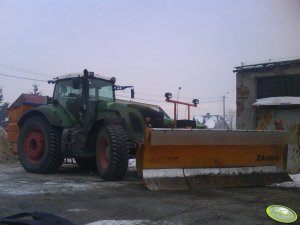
pixel 155 45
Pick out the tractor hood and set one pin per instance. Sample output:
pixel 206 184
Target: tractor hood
pixel 137 116
pixel 152 114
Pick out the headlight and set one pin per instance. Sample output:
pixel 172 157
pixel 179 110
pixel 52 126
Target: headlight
pixel 195 101
pixel 168 95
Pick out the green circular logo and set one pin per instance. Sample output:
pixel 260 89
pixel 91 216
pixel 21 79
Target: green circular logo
pixel 281 214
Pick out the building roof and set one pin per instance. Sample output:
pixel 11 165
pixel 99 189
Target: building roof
pixel 29 99
pixel 277 101
pixel 267 65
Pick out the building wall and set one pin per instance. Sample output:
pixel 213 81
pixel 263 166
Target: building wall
pixel 250 117
pixel 246 116
pixel 290 120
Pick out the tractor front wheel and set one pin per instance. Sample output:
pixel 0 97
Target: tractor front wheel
pixel 39 146
pixel 112 152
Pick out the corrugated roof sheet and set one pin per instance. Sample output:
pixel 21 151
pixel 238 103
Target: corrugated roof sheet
pixel 266 66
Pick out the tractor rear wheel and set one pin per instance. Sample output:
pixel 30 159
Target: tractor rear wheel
pixel 39 146
pixel 112 151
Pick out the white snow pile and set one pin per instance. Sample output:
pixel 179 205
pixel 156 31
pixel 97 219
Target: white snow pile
pixel 278 101
pixel 5 153
pixel 117 222
pixel 295 183
pixel 134 222
pixel 132 165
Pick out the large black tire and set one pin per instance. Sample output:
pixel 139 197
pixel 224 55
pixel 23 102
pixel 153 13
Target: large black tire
pixel 112 151
pixel 39 146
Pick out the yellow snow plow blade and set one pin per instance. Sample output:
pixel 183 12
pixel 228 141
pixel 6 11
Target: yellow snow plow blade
pixel 174 159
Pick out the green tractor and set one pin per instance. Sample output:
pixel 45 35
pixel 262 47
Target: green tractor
pixel 84 121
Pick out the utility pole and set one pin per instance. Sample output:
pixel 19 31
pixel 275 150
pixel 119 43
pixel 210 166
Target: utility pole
pixel 224 96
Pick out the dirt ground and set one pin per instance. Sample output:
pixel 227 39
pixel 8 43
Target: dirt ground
pixel 83 198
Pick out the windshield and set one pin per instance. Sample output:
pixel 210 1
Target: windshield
pixel 65 88
pixel 99 90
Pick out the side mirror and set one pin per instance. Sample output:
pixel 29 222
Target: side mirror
pixel 132 92
pixel 76 83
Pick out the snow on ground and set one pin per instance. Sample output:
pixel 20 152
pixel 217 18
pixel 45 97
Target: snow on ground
pixel 291 184
pixel 117 222
pixel 26 183
pixel 133 222
pixel 27 188
pixel 61 183
pixel 76 210
pixel 132 165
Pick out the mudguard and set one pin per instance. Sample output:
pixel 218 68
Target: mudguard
pixel 55 116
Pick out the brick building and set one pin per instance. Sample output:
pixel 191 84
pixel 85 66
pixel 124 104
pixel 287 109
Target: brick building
pixel 268 98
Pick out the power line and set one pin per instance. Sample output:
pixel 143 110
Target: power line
pixel 200 98
pixel 211 101
pixel 23 78
pixel 26 70
pixel 143 99
pixel 151 100
pixel 147 94
pixel 148 100
pixel 182 97
pixel 43 74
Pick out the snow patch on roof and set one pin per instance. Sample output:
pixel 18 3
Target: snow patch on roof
pixel 267 65
pixel 286 100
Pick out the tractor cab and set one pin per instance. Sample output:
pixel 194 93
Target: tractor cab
pixel 75 93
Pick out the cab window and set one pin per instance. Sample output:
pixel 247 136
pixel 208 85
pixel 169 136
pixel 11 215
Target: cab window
pixel 64 92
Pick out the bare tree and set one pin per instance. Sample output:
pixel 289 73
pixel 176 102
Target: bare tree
pixel 230 117
pixel 36 90
pixel 3 110
pixel 1 95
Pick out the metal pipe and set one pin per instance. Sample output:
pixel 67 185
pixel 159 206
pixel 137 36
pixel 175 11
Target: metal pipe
pixel 177 101
pixel 175 115
pixel 85 94
pixel 224 96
